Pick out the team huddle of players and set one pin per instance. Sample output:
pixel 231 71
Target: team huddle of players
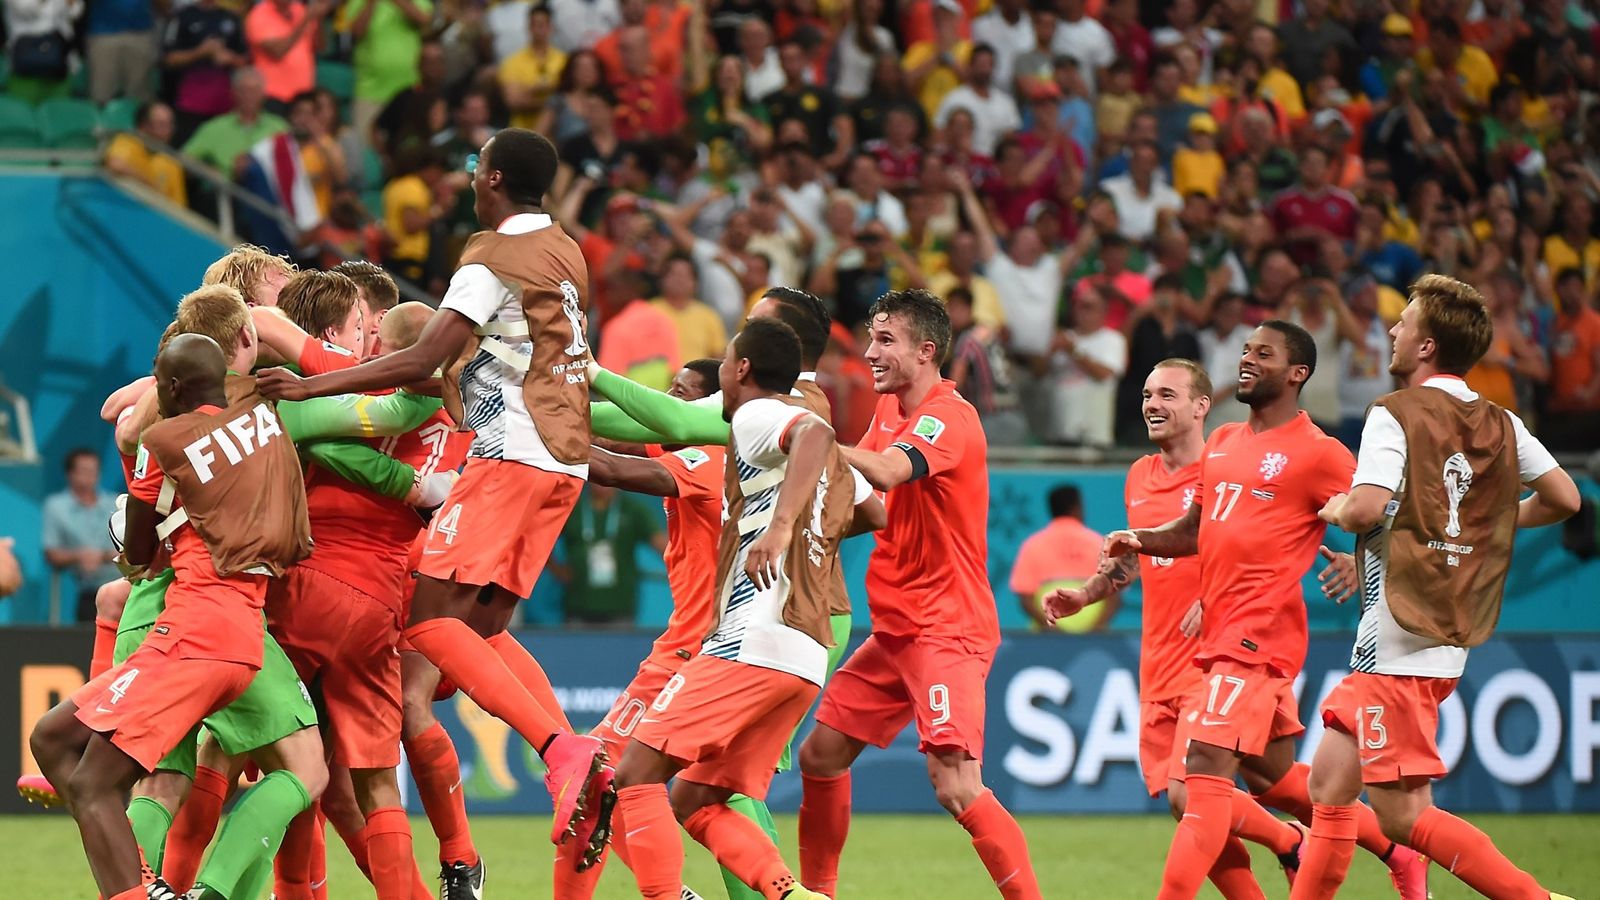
pixel 274 536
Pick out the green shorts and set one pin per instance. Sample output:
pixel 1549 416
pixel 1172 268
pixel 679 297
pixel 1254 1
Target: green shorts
pixel 841 638
pixel 274 706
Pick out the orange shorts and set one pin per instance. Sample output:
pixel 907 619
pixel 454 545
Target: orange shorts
pixel 1395 721
pixel 727 722
pixel 1242 708
pixel 1161 749
pixel 617 727
pixel 151 702
pixel 498 525
pixel 343 643
pixel 891 680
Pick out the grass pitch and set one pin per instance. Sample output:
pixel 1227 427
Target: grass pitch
pixel 887 858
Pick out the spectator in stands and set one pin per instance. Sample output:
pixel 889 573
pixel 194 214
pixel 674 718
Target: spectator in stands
pixel 994 112
pixel 1197 167
pixel 1221 345
pixel 224 140
pixel 127 154
pixel 763 73
pixel 700 331
pixel 203 45
pixel 1273 83
pixel 1364 363
pixel 1142 196
pixel 1574 405
pixel 1063 554
pixel 1313 212
pixel 388 45
pixel 827 123
pixel 1275 167
pixel 961 273
pixel 638 339
pixel 1129 38
pixel 1377 75
pixel 529 77
pixel 580 24
pixel 415 112
pixel 601 544
pixel 1156 331
pixel 562 119
pixel 935 67
pixel 1309 37
pixel 411 206
pixel 864 181
pixel 981 370
pixel 1315 304
pixel 1037 62
pixel 121 43
pixel 39 47
pixel 1008 31
pixel 649 104
pixel 1083 38
pixel 285 37
pixel 1470 73
pixel 861 42
pixel 1574 245
pixel 862 269
pixel 75 531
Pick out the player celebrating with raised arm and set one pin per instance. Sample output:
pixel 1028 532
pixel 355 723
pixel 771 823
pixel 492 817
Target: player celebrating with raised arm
pixel 1434 502
pixel 1267 476
pixel 518 298
pixel 243 521
pixel 721 721
pixel 934 625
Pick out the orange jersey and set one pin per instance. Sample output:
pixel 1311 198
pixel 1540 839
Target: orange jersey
pixel 1259 533
pixel 694 525
pixel 1155 496
pixel 363 538
pixel 223 613
pixel 320 357
pixel 929 572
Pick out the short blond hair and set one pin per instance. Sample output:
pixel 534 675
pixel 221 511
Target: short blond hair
pixel 378 286
pixel 245 267
pixel 318 301
pixel 1199 381
pixel 1455 315
pixel 216 311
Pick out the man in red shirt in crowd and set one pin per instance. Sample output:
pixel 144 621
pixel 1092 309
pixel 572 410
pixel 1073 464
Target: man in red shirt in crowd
pixel 1314 211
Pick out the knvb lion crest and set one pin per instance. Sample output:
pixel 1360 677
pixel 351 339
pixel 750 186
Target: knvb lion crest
pixel 1273 464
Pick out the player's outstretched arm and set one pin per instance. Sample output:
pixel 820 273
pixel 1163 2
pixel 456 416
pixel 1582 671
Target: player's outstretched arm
pixel 884 471
pixel 279 335
pixel 1180 537
pixel 631 473
pixel 355 415
pixel 1555 498
pixel 807 446
pixel 441 340
pixel 1358 511
pixel 124 397
pixel 1116 573
pixel 667 419
pixel 362 465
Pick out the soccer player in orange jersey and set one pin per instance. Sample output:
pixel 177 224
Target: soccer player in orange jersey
pixel 515 312
pixel 934 625
pixel 1159 488
pixel 1435 503
pixel 1267 476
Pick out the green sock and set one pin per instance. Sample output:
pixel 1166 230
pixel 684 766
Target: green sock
pixel 756 811
pixel 257 879
pixel 150 821
pixel 252 832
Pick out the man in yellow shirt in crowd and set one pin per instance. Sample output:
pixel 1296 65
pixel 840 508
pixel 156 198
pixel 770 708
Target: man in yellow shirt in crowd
pixel 528 77
pixel 1473 70
pixel 128 156
pixel 701 333
pixel 1197 167
pixel 410 207
pixel 934 68
pixel 1275 82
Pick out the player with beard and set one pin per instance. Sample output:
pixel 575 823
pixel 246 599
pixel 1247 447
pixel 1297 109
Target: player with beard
pixel 1434 503
pixel 1269 475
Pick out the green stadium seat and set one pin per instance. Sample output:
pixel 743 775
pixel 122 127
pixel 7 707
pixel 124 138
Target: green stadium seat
pixel 18 126
pixel 119 114
pixel 338 77
pixel 69 122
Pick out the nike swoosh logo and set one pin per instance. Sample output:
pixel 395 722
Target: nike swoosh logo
pixel 1367 762
pixel 317 885
pixel 104 709
pixel 455 787
pixel 629 835
pixel 1140 502
pixel 1214 455
pixel 266 842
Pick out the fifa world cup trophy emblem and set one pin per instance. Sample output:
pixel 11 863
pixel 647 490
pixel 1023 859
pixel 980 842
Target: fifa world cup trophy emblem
pixel 1457 481
pixel 569 306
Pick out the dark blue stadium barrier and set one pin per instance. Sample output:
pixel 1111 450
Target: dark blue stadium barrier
pixel 1521 734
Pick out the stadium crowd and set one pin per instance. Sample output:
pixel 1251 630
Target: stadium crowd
pixel 1092 185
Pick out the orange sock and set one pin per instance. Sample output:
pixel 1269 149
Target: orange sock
pixel 193 828
pixel 291 868
pixel 1200 836
pixel 319 858
pixel 1328 852
pixel 740 846
pixel 569 883
pixel 1232 875
pixel 653 845
pixel 459 653
pixel 356 843
pixel 1291 794
pixel 1252 822
pixel 530 674
pixel 105 645
pixel 388 852
pixel 1471 856
pixel 824 825
pixel 437 774
pixel 1002 846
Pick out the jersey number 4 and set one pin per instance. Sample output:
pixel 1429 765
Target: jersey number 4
pixel 447 522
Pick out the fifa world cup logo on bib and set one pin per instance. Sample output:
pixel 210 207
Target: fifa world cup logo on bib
pixel 569 306
pixel 1457 481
